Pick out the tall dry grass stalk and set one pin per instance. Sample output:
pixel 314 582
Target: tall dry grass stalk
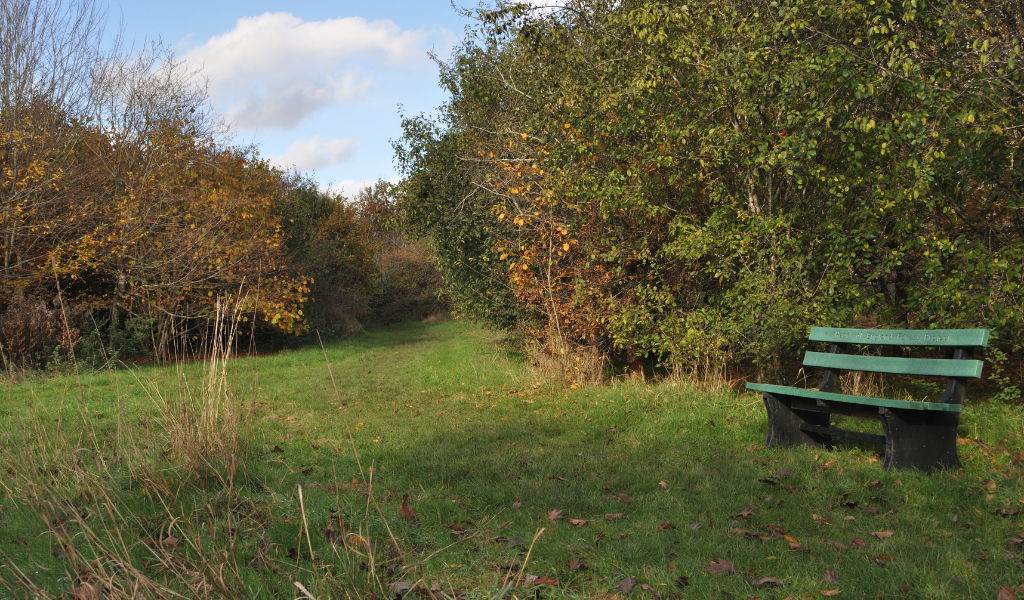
pixel 856 383
pixel 75 489
pixel 704 371
pixel 568 364
pixel 203 419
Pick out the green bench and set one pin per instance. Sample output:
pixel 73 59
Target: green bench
pixel 918 435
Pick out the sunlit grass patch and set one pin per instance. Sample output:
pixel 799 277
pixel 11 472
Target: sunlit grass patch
pixel 664 483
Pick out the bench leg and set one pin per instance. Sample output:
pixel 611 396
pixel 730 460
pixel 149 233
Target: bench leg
pixel 784 424
pixel 917 439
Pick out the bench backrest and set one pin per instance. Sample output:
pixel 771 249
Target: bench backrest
pixel 961 365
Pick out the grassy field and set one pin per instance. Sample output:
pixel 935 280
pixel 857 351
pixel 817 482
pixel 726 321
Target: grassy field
pixel 442 463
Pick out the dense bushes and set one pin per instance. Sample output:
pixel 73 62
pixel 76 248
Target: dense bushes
pixel 700 183
pixel 127 215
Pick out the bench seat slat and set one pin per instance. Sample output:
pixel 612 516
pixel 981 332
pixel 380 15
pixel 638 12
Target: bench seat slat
pixel 947 338
pixel 942 367
pixel 881 402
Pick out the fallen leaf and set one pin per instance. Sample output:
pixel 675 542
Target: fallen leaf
pixel 830 577
pixel 512 542
pixel 857 543
pixel 405 511
pixel 332 535
pixel 837 545
pixel 1017 540
pixel 170 542
pixel 625 498
pixel 790 539
pixel 1006 593
pixel 695 526
pixel 874 483
pixel 599 537
pixel 626 585
pixel 665 525
pixel 819 518
pixel 682 581
pixel 277 449
pixel 746 512
pixel 87 591
pixel 647 588
pixel 720 567
pixel 554 515
pixel 545 580
pixel 516 504
pixel 613 516
pixel 829 592
pixel 871 510
pixel 882 535
pixel 578 564
pixel 578 522
pixel 635 442
pixel 784 472
pixel 663 484
pixel 456 529
pixel 399 587
pixel 765 582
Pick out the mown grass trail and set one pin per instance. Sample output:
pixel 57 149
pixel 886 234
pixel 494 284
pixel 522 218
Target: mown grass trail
pixel 669 478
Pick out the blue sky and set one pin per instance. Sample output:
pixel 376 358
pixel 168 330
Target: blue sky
pixel 315 85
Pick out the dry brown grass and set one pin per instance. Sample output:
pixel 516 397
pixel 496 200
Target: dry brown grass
pixel 567 364
pixel 202 419
pixel 704 372
pixel 856 383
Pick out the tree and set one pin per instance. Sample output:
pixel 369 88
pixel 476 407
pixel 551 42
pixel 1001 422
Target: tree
pixel 703 182
pixel 48 50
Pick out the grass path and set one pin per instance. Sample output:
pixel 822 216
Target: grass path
pixel 446 415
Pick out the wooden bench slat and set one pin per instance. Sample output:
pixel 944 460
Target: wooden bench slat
pixel 947 338
pixel 942 367
pixel 882 402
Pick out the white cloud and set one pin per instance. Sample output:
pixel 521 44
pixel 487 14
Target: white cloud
pixel 274 69
pixel 350 187
pixel 316 153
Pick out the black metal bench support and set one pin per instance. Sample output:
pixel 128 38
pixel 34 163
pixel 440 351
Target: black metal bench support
pixel 914 439
pixel 921 440
pixel 786 426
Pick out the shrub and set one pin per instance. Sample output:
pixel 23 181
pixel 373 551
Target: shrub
pixel 30 333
